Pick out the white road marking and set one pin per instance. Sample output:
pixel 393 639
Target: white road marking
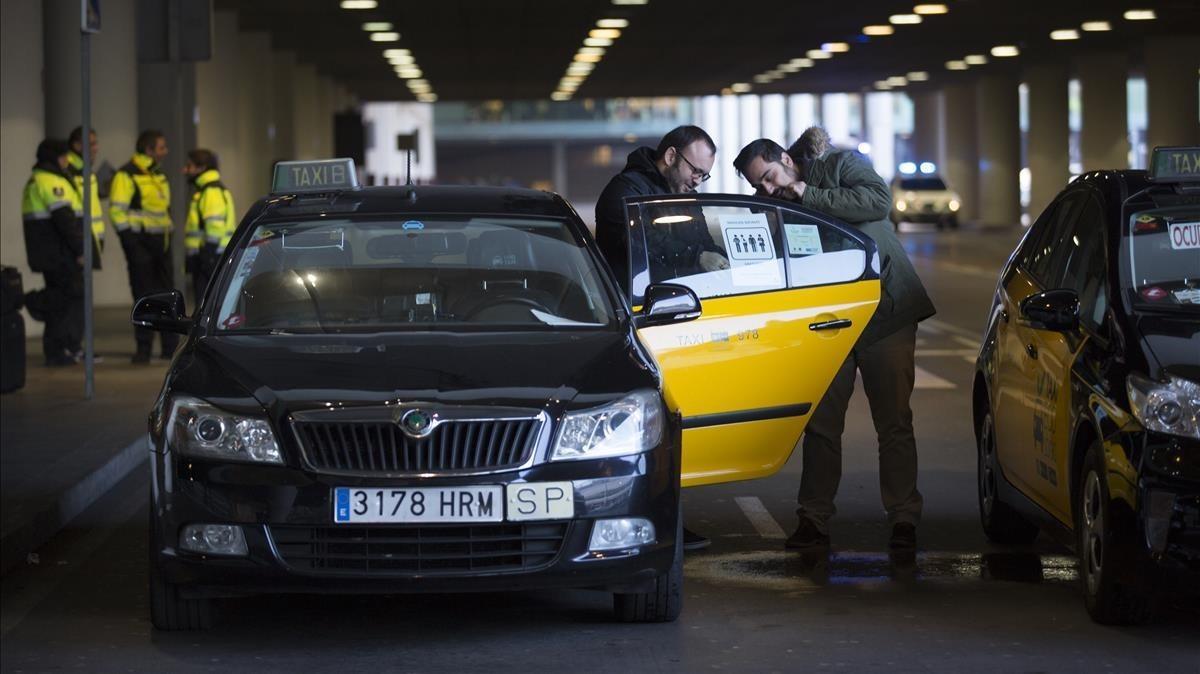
pixel 967 341
pixel 925 379
pixel 756 512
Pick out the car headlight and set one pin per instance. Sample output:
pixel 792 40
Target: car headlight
pixel 197 428
pixel 901 205
pixel 954 205
pixel 630 425
pixel 1170 407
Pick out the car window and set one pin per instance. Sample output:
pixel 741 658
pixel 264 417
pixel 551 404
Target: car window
pixel 371 274
pixel 818 254
pixel 922 184
pixel 1048 253
pixel 1085 267
pixel 1161 254
pixel 716 250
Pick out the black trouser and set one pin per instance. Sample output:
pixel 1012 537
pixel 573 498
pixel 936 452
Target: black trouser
pixel 149 263
pixel 203 267
pixel 64 312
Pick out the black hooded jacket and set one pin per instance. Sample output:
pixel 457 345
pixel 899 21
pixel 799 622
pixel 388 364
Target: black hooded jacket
pixel 674 250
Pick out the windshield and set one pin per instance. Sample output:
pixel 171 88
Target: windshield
pixel 1163 253
pixel 368 275
pixel 922 184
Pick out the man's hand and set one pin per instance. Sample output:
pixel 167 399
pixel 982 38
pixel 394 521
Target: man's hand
pixel 710 261
pixel 792 192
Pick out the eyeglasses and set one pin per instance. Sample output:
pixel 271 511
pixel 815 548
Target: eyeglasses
pixel 696 173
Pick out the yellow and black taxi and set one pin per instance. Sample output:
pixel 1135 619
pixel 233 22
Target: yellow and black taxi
pixel 434 388
pixel 1087 387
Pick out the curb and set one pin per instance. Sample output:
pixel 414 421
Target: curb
pixel 43 525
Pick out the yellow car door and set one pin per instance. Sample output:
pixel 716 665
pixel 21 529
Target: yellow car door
pixel 784 295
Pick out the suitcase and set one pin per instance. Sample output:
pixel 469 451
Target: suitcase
pixel 12 291
pixel 12 351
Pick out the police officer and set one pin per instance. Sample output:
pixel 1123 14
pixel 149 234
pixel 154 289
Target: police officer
pixel 54 247
pixel 140 198
pixel 211 219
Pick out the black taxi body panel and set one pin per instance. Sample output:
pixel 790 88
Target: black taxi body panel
pixel 1085 401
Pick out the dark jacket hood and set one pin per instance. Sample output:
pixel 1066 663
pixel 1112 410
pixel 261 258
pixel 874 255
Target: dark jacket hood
pixel 642 160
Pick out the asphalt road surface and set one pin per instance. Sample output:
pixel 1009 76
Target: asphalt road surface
pixel 749 606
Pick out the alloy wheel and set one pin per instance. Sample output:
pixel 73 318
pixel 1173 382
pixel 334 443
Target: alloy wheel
pixel 1092 535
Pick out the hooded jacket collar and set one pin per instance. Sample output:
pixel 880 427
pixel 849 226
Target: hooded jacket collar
pixel 145 162
pixel 206 178
pixel 642 160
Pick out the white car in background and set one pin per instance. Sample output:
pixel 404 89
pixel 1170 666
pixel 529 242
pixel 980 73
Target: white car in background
pixel 920 195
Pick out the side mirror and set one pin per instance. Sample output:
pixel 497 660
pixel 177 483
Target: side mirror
pixel 1054 310
pixel 162 311
pixel 668 303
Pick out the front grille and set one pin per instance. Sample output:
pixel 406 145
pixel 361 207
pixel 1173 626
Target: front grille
pixel 423 550
pixel 382 447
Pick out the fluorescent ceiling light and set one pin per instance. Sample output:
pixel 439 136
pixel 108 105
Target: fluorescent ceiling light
pixel 610 33
pixel 359 4
pixel 882 85
pixel 577 68
pixel 401 61
pixel 818 54
pixel 588 58
pixel 918 76
pixel 612 23
pixel 409 73
pixel 376 26
pixel 904 19
pixel 427 98
pixel 385 37
pixel 763 79
pixel 897 81
pixel 595 51
pixel 1140 15
pixel 597 42
pixel 956 65
pixel 560 96
pixel 878 30
pixel 740 87
pixel 788 68
pixel 630 2
pixel 418 83
pixel 802 62
pixel 835 47
pixel 975 59
pixel 1064 34
pixel 1096 26
pixel 389 53
pixel 1005 51
pixel 930 9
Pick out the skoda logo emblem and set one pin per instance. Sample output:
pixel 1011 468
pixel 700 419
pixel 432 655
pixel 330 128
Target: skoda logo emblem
pixel 416 423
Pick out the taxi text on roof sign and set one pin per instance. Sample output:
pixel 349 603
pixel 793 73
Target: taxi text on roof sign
pixel 320 175
pixel 1175 164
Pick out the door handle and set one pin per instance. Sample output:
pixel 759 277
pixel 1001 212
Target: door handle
pixel 1031 350
pixel 836 324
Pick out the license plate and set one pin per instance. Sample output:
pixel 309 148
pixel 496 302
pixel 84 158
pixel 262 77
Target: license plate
pixel 439 505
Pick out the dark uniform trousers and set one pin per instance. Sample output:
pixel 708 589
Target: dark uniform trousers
pixel 149 263
pixel 887 370
pixel 63 334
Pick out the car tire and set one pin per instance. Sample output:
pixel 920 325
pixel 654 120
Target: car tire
pixel 169 610
pixel 663 603
pixel 953 222
pixel 1001 523
pixel 1108 551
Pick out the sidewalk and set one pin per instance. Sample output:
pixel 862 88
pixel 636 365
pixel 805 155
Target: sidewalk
pixel 59 452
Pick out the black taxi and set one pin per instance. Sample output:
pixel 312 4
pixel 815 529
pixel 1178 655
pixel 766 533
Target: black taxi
pixel 434 388
pixel 1087 386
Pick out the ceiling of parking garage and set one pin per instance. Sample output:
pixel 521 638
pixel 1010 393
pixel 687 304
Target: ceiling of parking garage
pixel 519 49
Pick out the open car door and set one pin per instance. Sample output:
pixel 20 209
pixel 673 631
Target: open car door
pixel 785 293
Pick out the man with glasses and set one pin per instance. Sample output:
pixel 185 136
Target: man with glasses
pixel 683 160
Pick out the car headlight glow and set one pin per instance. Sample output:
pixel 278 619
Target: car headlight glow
pixel 631 425
pixel 197 428
pixel 954 205
pixel 901 205
pixel 1171 407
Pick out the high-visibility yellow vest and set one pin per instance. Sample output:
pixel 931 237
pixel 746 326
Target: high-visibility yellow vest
pixel 211 216
pixel 140 197
pixel 46 192
pixel 75 169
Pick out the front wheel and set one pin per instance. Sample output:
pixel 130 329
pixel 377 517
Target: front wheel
pixel 1108 552
pixel 1001 523
pixel 663 603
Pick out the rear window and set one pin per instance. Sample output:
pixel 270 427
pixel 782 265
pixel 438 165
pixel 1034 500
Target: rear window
pixel 922 184
pixel 429 272
pixel 1162 248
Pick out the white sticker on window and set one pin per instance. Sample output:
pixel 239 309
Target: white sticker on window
pixel 747 238
pixel 803 240
pixel 1185 235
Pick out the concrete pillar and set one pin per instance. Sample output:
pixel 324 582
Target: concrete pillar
pixel 255 112
pixel 1171 64
pixel 959 159
pixel 709 116
pixel 219 83
pixel 803 112
pixel 282 69
pixel 22 126
pixel 835 117
pixel 723 173
pixel 881 132
pixel 999 141
pixel 114 106
pixel 1047 142
pixel 927 124
pixel 558 167
pixel 1104 138
pixel 774 119
pixel 304 105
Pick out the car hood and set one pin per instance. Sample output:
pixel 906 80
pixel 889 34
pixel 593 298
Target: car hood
pixel 287 373
pixel 1172 343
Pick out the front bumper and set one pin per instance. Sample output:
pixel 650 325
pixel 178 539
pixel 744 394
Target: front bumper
pixel 1169 503
pixel 286 514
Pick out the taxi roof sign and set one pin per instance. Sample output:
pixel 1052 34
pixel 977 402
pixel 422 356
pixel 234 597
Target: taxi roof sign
pixel 317 175
pixel 1175 165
